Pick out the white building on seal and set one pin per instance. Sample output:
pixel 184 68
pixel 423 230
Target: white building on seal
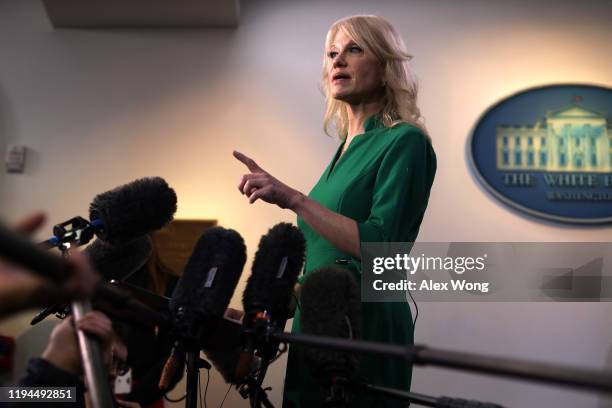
pixel 574 139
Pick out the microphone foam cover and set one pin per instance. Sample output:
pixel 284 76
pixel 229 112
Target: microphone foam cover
pixel 330 306
pixel 133 209
pixel 278 262
pixel 212 273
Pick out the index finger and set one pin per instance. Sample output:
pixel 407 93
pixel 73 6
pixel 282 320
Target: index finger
pixel 250 163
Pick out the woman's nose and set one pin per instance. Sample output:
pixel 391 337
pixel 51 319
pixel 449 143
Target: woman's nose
pixel 339 61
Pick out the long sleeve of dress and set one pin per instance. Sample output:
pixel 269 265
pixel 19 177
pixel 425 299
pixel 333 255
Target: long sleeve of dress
pixel 401 190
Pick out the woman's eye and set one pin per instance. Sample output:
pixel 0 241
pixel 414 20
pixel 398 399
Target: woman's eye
pixel 355 49
pixel 332 54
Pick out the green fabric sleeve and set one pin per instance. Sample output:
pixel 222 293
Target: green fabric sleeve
pixel 401 189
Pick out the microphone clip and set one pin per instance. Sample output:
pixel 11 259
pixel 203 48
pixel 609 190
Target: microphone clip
pixel 76 230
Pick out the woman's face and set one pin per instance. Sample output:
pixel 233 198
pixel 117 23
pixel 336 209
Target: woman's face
pixel 354 76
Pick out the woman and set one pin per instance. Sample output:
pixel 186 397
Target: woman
pixel 375 189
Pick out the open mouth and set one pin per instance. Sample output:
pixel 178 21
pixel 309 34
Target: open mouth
pixel 340 76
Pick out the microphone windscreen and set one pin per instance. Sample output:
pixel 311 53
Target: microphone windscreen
pixel 330 306
pixel 133 209
pixel 278 261
pixel 211 274
pixel 119 261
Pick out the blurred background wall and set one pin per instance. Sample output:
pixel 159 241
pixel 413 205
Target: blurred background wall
pixel 99 108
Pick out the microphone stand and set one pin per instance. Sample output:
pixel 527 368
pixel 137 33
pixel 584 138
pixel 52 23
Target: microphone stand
pixel 193 325
pixel 594 380
pixel 251 388
pixel 337 398
pixel 265 337
pixel 420 399
pixel 254 335
pixel 193 377
pixel 96 375
pixel 91 356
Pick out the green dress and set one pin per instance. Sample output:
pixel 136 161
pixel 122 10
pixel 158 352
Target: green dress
pixel 382 181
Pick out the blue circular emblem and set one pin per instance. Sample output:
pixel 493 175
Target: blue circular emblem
pixel 547 151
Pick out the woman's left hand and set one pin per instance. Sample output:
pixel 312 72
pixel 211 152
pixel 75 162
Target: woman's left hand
pixel 261 184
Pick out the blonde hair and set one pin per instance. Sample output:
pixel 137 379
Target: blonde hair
pixel 377 37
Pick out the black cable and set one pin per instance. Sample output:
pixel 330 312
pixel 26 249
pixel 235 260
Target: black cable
pixel 206 388
pixel 200 389
pixel 226 394
pixel 177 400
pixel 416 316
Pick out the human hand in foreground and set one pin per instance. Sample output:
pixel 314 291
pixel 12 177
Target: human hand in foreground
pixel 22 289
pixel 259 184
pixel 63 349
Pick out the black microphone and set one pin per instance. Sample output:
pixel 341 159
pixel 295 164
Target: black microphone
pixel 278 262
pixel 330 306
pixel 203 293
pixel 120 215
pixel 131 210
pixel 267 296
pixel 210 276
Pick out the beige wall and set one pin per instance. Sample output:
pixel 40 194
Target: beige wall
pixel 101 108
